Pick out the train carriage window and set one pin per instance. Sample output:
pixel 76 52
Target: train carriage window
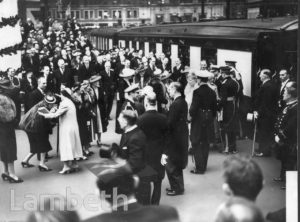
pixel 184 54
pixel 152 47
pixel 167 50
pixel 209 55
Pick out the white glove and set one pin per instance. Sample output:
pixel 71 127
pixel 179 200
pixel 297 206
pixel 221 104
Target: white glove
pixel 163 160
pixel 255 113
pixel 277 139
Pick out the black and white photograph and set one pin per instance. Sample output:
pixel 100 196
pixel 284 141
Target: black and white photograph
pixel 149 110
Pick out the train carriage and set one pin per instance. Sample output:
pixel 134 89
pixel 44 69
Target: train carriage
pixel 253 44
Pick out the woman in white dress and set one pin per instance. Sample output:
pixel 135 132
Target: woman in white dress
pixel 69 139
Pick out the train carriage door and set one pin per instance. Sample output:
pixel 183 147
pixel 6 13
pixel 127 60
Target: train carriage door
pixel 130 44
pixel 110 43
pixel 243 61
pixel 174 54
pixel 146 48
pixel 195 57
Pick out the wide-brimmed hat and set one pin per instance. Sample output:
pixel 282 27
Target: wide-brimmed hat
pixel 49 99
pixel 94 78
pixel 132 88
pixel 6 84
pixel 204 74
pixel 157 72
pixel 165 75
pixel 127 73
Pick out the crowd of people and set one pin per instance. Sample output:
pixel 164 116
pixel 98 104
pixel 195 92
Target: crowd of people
pixel 161 112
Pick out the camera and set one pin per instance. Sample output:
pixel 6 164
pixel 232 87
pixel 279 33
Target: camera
pixel 108 152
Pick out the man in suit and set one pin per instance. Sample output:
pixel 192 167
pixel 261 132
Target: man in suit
pixel 132 148
pixel 165 66
pixel 154 125
pixel 203 112
pixel 176 154
pixel 60 76
pixel 178 74
pixel 109 82
pixel 266 110
pixel 86 70
pixel 151 68
pixel 124 204
pixel 286 131
pixel 38 94
pixel 228 105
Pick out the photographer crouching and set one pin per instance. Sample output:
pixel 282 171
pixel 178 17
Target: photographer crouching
pixel 132 149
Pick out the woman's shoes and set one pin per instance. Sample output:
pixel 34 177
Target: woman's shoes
pixel 26 165
pixel 66 171
pixel 44 169
pixel 99 143
pixel 4 177
pixel 13 180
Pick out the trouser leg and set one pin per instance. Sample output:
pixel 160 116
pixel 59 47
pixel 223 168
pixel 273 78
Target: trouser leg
pixel 155 199
pixel 176 179
pixel 144 192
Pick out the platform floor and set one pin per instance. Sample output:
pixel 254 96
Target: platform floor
pixel 203 193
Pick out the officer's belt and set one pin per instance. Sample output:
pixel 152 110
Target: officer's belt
pixel 230 98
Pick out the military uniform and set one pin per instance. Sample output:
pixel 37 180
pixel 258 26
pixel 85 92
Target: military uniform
pixel 286 130
pixel 229 124
pixel 203 111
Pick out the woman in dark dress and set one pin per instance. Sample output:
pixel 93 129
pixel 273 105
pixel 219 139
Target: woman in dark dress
pixel 38 129
pixel 84 115
pixel 8 144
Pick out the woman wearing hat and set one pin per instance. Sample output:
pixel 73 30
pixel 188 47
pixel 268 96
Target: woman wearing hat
pixel 99 121
pixel 38 130
pixel 8 145
pixel 69 139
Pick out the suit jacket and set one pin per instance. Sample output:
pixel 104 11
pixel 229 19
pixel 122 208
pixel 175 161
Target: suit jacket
pixel 58 78
pixel 132 148
pixel 266 104
pixel 155 127
pixel 84 73
pixel 178 76
pixel 137 212
pixel 109 83
pixel 203 110
pixel 177 148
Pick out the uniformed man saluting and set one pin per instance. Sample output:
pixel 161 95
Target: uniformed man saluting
pixel 229 124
